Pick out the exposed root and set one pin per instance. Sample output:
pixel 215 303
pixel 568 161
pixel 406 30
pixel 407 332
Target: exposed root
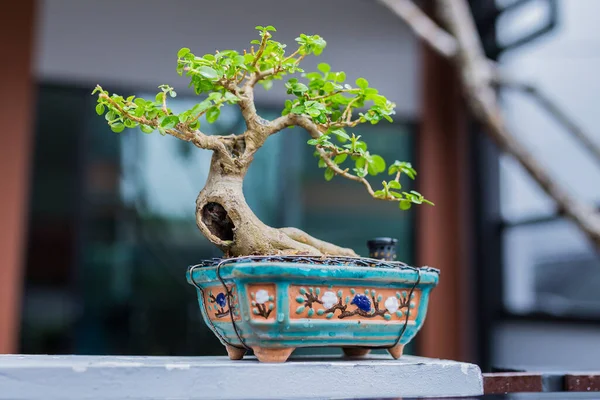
pixel 323 247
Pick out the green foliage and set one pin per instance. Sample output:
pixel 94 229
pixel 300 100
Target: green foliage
pixel 365 164
pixel 151 115
pixel 402 167
pixel 328 101
pixel 323 97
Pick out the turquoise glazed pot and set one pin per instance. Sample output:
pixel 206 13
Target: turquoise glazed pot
pixel 273 305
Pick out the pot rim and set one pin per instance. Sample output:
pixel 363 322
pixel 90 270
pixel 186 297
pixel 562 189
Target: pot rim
pixel 261 267
pixel 338 261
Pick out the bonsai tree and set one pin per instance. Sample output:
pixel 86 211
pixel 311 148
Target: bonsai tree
pixel 325 106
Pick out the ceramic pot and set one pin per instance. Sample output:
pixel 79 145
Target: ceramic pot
pixel 273 305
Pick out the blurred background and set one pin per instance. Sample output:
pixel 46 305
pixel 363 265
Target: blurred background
pixel 99 228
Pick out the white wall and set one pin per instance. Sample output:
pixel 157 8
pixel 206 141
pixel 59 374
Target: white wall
pixel 134 42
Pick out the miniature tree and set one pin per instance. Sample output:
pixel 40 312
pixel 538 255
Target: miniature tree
pixel 324 106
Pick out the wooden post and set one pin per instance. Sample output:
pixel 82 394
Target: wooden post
pixel 442 231
pixel 16 114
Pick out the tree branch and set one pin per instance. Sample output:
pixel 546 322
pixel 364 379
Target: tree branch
pixel 554 110
pixel 440 40
pixel 315 132
pixel 245 94
pixel 198 138
pixel 263 43
pixel 483 102
pixel 464 48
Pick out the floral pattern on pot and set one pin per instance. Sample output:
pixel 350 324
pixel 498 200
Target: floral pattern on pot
pixel 218 301
pixel 353 303
pixel 262 301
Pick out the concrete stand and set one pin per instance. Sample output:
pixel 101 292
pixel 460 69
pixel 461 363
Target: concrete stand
pixel 86 377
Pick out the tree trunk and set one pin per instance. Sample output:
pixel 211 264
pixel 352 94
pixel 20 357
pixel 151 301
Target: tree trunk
pixel 224 217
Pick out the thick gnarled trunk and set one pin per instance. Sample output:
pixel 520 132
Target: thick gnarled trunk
pixel 224 217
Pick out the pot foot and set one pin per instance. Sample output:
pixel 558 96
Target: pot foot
pixel 235 353
pixel 355 351
pixel 396 351
pixel 272 355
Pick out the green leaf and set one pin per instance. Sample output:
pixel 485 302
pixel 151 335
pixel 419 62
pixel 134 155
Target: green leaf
pixel 183 52
pixel 146 129
pixel 169 122
pixel 299 88
pixel 100 109
pixel 118 127
pixel 362 83
pixel 416 200
pixel 201 107
pixel 376 164
pixel 212 114
pixel 208 72
pixel 322 163
pixel 329 174
pixel 298 109
pixel 152 113
pixel 340 158
pixel 340 77
pixel 405 204
pixel 238 60
pixel 139 111
pixel 270 28
pixel 313 76
pixel 360 163
pixel 215 96
pixel 328 87
pixel 394 185
pixel 230 97
pixel 341 135
pixel 324 67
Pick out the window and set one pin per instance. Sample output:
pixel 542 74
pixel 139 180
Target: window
pixel 545 256
pixel 548 275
